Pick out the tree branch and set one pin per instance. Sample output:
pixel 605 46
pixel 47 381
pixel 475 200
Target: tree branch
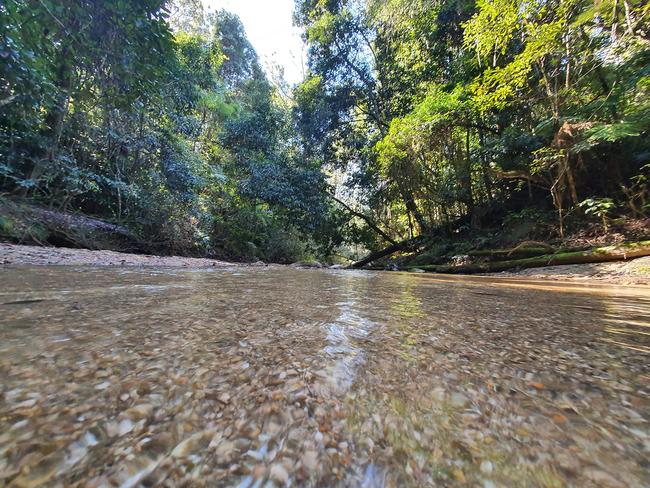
pixel 366 219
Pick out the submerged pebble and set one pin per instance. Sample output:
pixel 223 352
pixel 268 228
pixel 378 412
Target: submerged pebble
pixel 239 379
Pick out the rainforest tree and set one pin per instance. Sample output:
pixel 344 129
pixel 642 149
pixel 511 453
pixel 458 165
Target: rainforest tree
pixel 157 116
pixel 415 119
pixel 458 112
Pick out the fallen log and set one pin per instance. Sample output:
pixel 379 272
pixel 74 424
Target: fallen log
pixel 527 252
pixel 408 244
pixel 44 226
pixel 617 252
pixel 500 254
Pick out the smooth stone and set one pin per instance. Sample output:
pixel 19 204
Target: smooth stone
pixel 486 467
pixel 279 474
pixel 310 460
pixel 459 400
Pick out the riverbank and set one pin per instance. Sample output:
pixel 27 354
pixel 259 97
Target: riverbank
pixel 632 272
pixel 38 255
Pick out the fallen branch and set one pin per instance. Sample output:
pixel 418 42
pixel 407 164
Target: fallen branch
pixel 520 175
pixel 529 244
pixel 414 243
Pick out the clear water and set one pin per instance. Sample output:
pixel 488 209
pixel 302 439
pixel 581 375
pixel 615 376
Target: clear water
pixel 263 376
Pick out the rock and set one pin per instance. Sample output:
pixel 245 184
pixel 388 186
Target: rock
pixel 192 443
pixel 309 460
pixel 224 451
pixel 40 474
pixel 307 264
pixel 417 270
pixel 602 478
pixel 567 461
pixel 224 398
pixel 459 400
pixel 338 266
pixel 458 475
pixel 298 414
pixel 124 427
pixel 279 474
pixel 184 448
pixel 438 394
pixel 139 412
pixel 486 467
pixel 26 404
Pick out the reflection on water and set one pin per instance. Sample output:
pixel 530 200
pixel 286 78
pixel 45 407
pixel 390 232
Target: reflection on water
pixel 349 327
pixel 629 324
pixel 128 377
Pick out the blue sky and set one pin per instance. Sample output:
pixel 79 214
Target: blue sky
pixel 269 27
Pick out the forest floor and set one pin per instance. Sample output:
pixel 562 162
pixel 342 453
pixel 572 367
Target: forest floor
pixel 636 272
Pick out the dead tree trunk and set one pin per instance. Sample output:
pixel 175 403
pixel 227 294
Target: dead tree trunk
pixel 408 244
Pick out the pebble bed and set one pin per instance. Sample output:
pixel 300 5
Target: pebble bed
pixel 255 377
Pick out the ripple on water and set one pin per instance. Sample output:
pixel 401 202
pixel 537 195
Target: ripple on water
pixel 345 355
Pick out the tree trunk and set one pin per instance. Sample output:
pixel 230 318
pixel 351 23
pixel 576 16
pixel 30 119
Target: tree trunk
pixel 467 173
pixel 509 254
pixel 485 166
pixel 392 249
pixel 55 117
pixel 614 34
pixel 411 206
pixel 629 18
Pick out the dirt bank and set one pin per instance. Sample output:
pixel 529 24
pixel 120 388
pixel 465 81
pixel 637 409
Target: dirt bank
pixel 632 272
pixel 19 254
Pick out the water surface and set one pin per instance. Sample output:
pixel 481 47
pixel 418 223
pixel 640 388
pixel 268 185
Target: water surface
pixel 262 376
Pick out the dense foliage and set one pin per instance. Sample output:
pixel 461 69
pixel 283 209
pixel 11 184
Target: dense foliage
pixel 161 121
pixel 415 116
pixel 462 112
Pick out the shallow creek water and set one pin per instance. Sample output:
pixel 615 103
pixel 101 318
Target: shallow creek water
pixel 278 376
